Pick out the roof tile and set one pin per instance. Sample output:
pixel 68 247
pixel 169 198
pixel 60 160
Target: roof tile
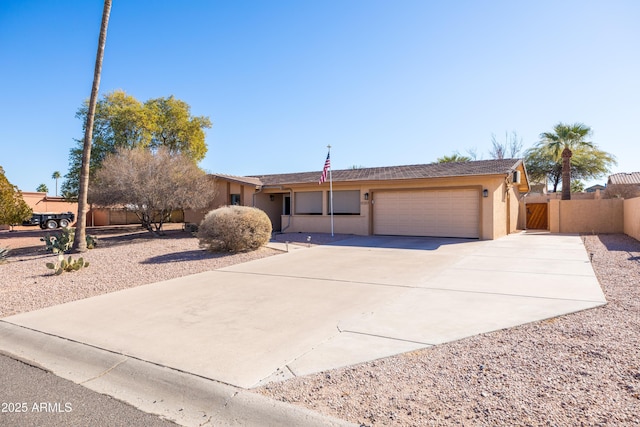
pixel 431 170
pixel 624 178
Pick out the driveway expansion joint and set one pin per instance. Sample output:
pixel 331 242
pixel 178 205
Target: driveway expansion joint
pixel 320 279
pixel 387 337
pixel 509 295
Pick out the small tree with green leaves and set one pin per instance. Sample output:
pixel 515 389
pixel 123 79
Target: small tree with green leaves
pixel 13 208
pixel 42 188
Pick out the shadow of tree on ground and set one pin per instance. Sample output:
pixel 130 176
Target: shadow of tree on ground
pixel 186 256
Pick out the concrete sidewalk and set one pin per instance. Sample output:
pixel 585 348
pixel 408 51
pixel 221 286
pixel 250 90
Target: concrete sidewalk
pixel 202 340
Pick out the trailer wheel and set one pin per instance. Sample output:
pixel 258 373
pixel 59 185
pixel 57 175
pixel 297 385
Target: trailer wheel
pixel 64 223
pixel 51 224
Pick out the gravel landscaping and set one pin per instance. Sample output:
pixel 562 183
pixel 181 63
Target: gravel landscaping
pixel 579 369
pixel 124 257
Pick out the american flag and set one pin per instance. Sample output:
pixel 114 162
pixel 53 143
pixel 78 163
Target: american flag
pixel 327 165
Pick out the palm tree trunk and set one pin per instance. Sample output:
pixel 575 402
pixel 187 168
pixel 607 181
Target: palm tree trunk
pixel 566 174
pixel 80 240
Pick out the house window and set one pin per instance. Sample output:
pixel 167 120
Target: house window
pixel 345 202
pixel 235 199
pixel 308 203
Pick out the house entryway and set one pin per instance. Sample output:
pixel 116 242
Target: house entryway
pixel 275 205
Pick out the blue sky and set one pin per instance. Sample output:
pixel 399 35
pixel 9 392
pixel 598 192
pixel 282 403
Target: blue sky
pixel 384 82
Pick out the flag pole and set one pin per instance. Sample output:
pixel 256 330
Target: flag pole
pixel 330 193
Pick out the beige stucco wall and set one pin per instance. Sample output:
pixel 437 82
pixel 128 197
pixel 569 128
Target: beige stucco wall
pixel 224 190
pixel 507 208
pixel 273 205
pixel 42 203
pixel 632 217
pixel 542 198
pixel 586 216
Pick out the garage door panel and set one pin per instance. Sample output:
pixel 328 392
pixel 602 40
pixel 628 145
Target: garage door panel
pixel 440 213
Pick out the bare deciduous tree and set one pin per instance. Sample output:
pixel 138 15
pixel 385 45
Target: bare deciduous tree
pixel 621 191
pixel 153 184
pixel 509 149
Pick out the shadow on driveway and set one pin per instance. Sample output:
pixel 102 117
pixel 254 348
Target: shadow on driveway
pixel 400 242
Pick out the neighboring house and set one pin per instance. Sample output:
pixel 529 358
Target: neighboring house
pixel 594 188
pixel 632 178
pixel 478 199
pixel 539 187
pixel 41 203
pixel 625 185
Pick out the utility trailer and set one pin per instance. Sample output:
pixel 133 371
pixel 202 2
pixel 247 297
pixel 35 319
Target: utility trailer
pixel 51 220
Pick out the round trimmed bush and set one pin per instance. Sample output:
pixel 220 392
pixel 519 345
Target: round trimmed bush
pixel 234 229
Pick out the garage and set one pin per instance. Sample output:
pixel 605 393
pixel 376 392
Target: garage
pixel 437 213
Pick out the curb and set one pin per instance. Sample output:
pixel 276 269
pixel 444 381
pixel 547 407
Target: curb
pixel 181 397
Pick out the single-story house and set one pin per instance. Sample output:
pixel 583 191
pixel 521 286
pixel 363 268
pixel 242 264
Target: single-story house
pixel 594 188
pixel 625 185
pixel 631 178
pixel 42 203
pixel 478 199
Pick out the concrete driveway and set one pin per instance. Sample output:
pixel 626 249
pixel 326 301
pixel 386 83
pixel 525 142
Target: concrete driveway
pixel 316 308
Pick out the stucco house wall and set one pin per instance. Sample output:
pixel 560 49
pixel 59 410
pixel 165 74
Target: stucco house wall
pixel 229 190
pixel 500 211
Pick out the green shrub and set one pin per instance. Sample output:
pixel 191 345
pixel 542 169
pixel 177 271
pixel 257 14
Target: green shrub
pixel 63 241
pixel 234 229
pixel 69 265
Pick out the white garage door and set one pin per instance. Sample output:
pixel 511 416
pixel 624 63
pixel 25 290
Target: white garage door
pixel 439 213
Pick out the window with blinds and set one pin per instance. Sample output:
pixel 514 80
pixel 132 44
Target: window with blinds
pixel 308 203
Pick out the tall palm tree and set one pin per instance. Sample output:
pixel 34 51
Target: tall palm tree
pixel 561 141
pixel 80 240
pixel 56 175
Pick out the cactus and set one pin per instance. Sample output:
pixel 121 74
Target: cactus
pixel 60 243
pixel 92 241
pixel 67 265
pixel 4 252
pixel 63 242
